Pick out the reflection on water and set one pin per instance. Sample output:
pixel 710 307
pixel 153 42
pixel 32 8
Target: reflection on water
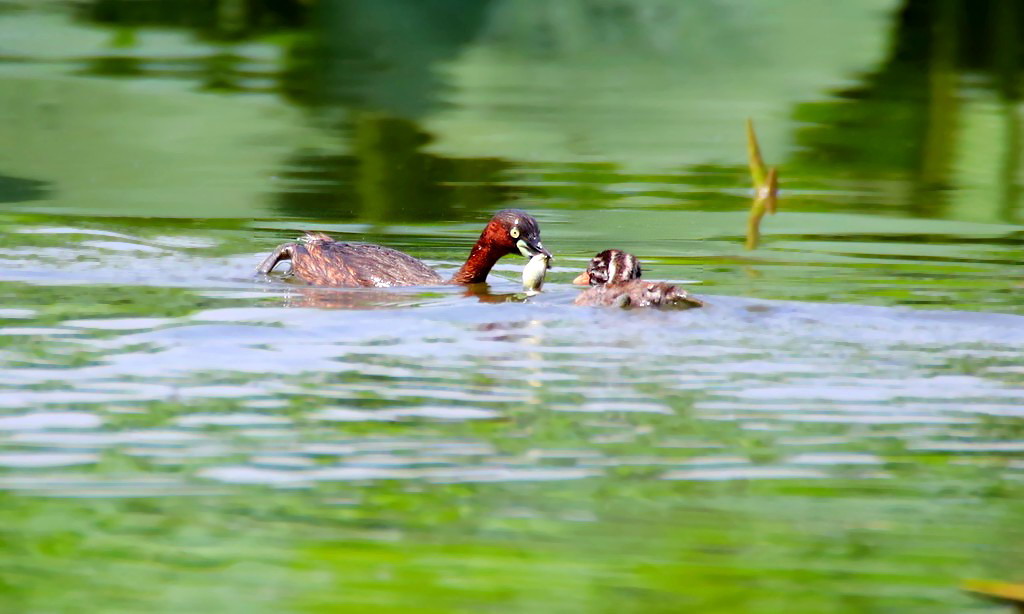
pixel 387 170
pixel 951 75
pixel 839 430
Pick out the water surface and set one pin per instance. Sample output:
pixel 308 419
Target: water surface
pixel 840 430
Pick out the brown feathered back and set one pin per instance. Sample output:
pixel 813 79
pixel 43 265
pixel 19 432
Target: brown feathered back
pixel 325 262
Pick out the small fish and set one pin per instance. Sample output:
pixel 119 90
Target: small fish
pixel 534 272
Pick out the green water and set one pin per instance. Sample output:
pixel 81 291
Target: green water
pixel 840 430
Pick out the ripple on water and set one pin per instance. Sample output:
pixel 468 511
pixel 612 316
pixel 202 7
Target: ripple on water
pixel 115 486
pixel 959 446
pixel 119 323
pixel 71 230
pixel 124 246
pixel 13 313
pixel 229 419
pixel 751 472
pixel 153 437
pixel 23 460
pixel 37 421
pixel 245 474
pixel 420 411
pixel 769 373
pixel 37 331
pixel 397 446
pixel 596 405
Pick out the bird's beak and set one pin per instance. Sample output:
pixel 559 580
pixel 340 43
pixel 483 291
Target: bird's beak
pixel 583 279
pixel 531 248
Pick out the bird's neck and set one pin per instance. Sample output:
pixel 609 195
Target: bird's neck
pixel 481 260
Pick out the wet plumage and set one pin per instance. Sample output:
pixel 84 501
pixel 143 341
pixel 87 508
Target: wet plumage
pixel 614 277
pixel 322 261
pixel 326 262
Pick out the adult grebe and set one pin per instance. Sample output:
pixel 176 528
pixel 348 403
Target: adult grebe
pixel 322 261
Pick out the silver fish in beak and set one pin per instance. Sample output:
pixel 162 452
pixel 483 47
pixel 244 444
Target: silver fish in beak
pixel 534 272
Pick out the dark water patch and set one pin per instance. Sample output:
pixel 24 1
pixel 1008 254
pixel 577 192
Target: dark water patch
pixel 20 189
pixel 388 170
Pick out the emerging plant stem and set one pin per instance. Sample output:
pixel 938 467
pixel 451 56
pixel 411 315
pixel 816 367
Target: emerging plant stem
pixel 766 188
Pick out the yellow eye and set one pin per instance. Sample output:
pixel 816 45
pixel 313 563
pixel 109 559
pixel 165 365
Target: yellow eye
pixel 514 232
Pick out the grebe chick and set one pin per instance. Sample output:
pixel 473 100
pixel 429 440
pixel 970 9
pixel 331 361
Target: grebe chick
pixel 614 280
pixel 322 261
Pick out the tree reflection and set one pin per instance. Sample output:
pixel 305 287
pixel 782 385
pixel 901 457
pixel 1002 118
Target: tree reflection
pixel 388 177
pixel 369 65
pixel 381 55
pixel 210 19
pixel 374 65
pixel 906 117
pixel 370 73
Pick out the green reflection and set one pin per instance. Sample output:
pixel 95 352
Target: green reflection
pixel 389 177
